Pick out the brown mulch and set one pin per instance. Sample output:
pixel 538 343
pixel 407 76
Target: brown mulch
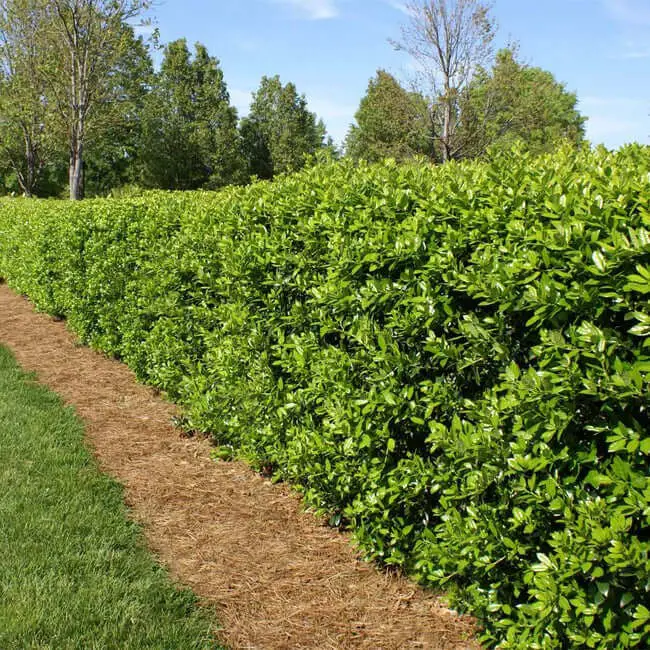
pixel 276 575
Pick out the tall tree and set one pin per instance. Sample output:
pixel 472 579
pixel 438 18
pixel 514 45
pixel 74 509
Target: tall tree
pixel 86 40
pixel 516 102
pixel 391 122
pixel 280 132
pixel 112 154
pixel 25 142
pixel 449 39
pixel 189 128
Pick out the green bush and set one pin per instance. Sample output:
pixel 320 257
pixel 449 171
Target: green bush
pixel 452 361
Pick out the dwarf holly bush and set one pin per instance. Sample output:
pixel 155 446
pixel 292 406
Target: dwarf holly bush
pixel 452 361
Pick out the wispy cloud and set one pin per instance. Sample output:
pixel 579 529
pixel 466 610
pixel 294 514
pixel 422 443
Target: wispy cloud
pixel 313 9
pixel 612 103
pixel 633 49
pixel 399 6
pixel 635 13
pixel 336 112
pixel 630 21
pixel 635 54
pixel 601 128
pixel 615 120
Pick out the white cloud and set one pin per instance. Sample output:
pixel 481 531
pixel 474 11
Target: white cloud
pixel 635 13
pixel 633 49
pixel 313 9
pixel 399 6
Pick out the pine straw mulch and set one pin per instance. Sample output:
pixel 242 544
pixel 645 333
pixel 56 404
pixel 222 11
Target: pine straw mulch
pixel 277 577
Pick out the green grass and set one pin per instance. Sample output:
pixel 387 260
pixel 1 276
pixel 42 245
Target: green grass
pixel 74 571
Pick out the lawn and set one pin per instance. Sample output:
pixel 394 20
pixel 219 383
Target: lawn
pixel 74 571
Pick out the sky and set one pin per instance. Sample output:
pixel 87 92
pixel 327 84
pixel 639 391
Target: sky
pixel 600 49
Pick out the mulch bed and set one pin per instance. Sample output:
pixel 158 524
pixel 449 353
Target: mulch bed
pixel 276 576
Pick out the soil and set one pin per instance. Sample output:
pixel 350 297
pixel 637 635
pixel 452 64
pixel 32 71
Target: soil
pixel 276 576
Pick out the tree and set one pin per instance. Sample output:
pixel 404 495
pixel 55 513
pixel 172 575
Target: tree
pixel 391 122
pixel 24 110
pixel 516 102
pixel 449 39
pixel 189 129
pixel 112 154
pixel 86 40
pixel 280 132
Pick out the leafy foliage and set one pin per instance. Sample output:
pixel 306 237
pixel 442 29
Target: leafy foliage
pixel 189 129
pixel 280 131
pixel 449 39
pixel 452 361
pixel 25 119
pixel 85 41
pixel 518 103
pixel 114 153
pixel 391 123
pixel 36 108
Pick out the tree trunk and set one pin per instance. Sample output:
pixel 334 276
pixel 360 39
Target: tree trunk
pixel 446 128
pixel 76 170
pixel 26 171
pixel 30 176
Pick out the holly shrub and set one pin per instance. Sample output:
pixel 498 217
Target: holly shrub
pixel 451 361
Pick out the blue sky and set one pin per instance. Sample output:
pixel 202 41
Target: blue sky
pixel 330 48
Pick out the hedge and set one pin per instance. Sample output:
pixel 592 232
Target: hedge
pixel 451 361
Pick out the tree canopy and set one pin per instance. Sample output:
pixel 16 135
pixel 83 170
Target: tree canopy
pixel 86 41
pixel 515 102
pixel 189 136
pixel 25 118
pixel 280 131
pixel 82 105
pixel 391 122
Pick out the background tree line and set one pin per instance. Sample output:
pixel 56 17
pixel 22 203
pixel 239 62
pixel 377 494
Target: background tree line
pixel 82 107
pixel 465 101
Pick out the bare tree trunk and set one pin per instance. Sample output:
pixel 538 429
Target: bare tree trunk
pixel 26 170
pixel 446 127
pixel 76 169
pixel 30 172
pixel 450 39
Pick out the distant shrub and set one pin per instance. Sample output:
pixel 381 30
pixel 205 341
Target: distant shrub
pixel 451 361
pixel 127 191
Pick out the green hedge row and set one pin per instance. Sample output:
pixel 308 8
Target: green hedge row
pixel 451 361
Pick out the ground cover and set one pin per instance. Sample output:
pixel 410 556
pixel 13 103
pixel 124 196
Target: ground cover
pixel 74 572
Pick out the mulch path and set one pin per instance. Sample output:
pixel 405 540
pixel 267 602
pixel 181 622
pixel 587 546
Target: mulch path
pixel 277 577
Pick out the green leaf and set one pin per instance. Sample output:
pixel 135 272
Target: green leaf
pixel 599 261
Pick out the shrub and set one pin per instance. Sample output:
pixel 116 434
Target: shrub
pixel 451 361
